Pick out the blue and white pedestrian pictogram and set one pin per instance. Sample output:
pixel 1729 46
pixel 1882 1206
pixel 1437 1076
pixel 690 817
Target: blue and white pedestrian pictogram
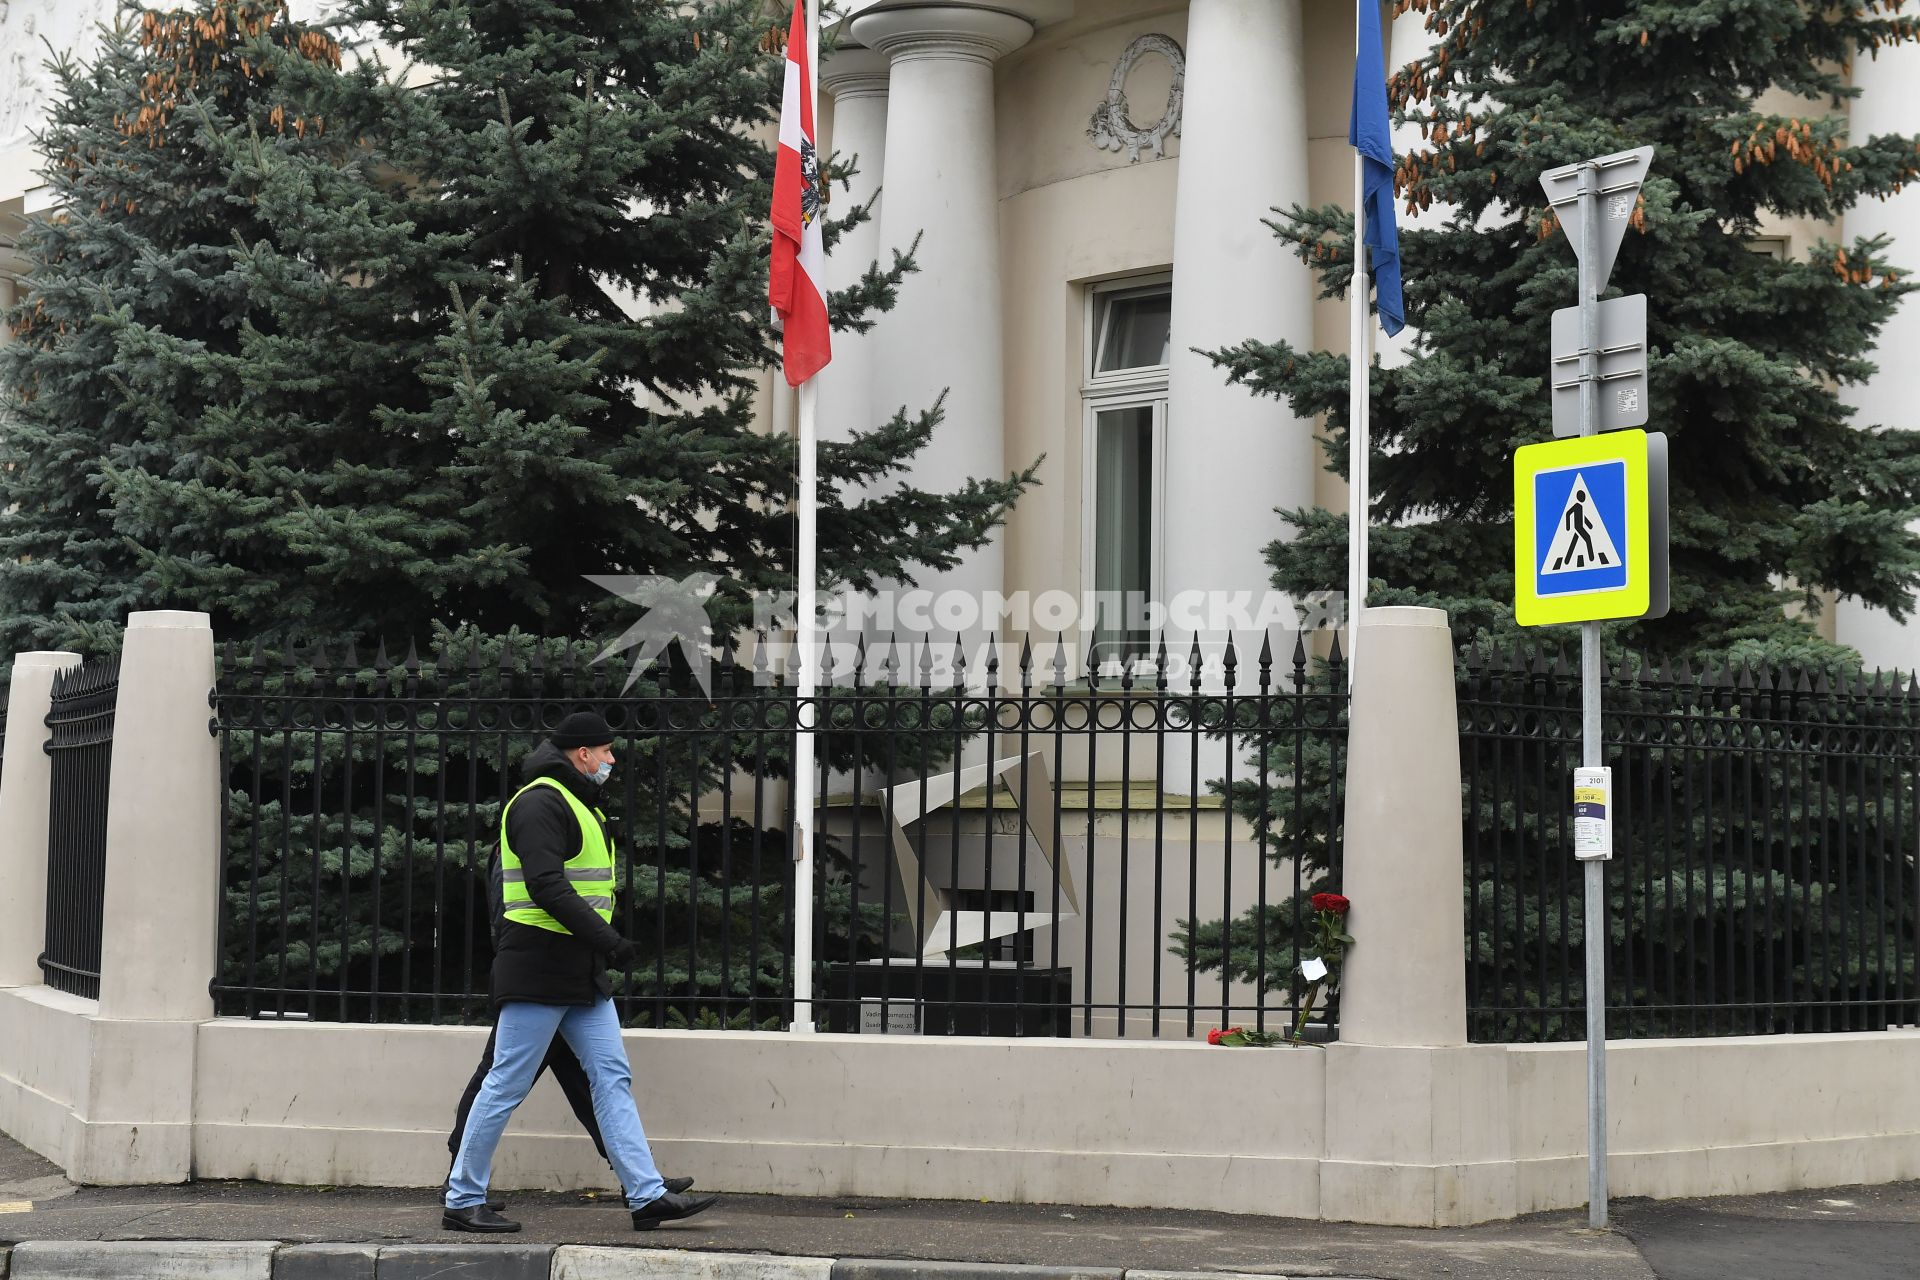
pixel 1581 517
pixel 1584 544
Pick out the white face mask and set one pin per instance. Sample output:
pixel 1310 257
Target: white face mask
pixel 601 774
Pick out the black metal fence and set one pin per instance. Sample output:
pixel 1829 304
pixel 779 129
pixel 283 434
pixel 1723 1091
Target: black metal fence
pixel 1034 853
pixel 1764 873
pixel 80 742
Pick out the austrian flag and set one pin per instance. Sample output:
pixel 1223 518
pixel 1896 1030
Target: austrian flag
pixel 799 256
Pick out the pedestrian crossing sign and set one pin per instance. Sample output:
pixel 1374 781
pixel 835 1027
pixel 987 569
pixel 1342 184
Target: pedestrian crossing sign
pixel 1585 530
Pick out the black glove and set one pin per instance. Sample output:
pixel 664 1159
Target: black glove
pixel 623 953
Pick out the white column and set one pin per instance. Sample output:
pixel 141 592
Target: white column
pixel 25 781
pixel 945 332
pixel 1887 104
pixel 856 79
pixel 1408 40
pixel 1232 457
pixel 163 825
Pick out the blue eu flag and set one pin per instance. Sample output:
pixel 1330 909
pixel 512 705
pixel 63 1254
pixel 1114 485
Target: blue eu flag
pixel 1370 133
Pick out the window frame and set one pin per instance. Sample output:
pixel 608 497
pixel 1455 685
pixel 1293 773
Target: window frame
pixel 1145 386
pixel 1093 382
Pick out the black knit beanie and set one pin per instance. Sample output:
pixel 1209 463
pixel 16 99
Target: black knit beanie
pixel 582 729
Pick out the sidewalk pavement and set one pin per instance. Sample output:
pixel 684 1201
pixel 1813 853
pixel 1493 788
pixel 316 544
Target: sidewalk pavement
pixel 254 1231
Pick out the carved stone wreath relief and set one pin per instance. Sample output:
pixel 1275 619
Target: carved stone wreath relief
pixel 1112 127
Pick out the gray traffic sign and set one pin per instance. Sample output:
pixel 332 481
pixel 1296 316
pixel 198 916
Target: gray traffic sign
pixel 1619 177
pixel 1622 366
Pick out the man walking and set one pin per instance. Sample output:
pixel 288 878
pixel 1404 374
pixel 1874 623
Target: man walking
pixel 549 977
pixel 560 1060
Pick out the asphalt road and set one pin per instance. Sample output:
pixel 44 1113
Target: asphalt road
pixel 1861 1233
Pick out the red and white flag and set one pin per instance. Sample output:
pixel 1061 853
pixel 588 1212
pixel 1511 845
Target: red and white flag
pixel 799 256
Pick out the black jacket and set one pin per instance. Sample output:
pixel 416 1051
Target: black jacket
pixel 536 964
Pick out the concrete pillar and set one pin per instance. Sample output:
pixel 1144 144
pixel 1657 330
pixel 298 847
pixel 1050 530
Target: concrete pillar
pixel 1416 1119
pixel 163 825
pixel 1233 457
pixel 159 939
pixel 856 80
pixel 1887 104
pixel 944 334
pixel 25 778
pixel 1406 978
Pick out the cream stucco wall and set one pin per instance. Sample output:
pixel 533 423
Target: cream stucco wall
pixel 1070 215
pixel 1050 259
pixel 1047 91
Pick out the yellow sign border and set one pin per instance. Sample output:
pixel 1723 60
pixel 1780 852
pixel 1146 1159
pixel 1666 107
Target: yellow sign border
pixel 1631 601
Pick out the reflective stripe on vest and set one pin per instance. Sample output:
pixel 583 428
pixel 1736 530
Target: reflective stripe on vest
pixel 589 871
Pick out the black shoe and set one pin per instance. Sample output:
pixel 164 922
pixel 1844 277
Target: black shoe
pixel 479 1218
pixel 669 1206
pixel 498 1206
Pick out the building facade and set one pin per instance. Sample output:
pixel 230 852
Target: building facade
pixel 1086 180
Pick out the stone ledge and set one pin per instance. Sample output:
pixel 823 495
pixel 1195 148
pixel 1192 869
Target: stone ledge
pixel 470 1261
pixel 910 1269
pixel 583 1262
pixel 325 1262
pixel 1217 1275
pixel 143 1260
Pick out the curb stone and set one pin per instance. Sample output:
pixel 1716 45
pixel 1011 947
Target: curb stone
pixel 264 1260
pixel 1207 1275
pixel 911 1269
pixel 144 1259
pixel 413 1262
pixel 465 1262
pixel 324 1262
pixel 588 1262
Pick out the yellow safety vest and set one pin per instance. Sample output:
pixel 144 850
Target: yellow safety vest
pixel 589 871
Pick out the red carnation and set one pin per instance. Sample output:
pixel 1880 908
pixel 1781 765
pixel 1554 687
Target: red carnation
pixel 1213 1036
pixel 1333 902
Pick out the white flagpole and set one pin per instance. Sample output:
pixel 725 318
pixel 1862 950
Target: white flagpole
pixel 1359 343
pixel 806 640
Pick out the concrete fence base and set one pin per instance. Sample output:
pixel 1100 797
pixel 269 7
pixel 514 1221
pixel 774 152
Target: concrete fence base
pixel 1360 1133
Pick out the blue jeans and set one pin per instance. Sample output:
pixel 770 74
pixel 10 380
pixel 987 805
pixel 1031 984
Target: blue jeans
pixel 523 1032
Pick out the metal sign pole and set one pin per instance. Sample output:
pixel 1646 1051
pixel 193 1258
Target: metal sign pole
pixel 1591 752
pixel 1634 581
